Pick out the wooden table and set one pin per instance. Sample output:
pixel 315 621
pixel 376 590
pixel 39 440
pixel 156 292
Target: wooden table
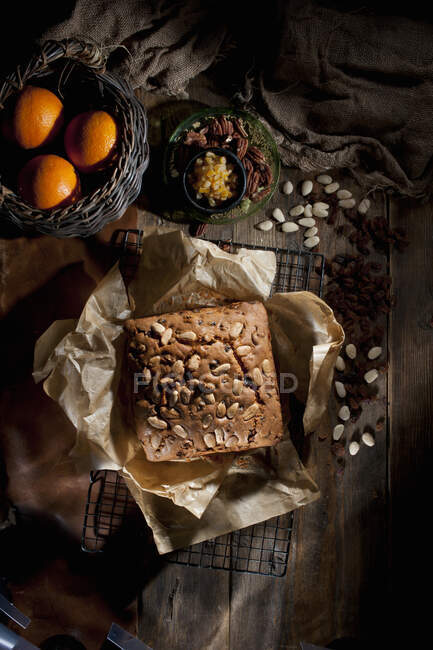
pixel 351 564
pixel 359 553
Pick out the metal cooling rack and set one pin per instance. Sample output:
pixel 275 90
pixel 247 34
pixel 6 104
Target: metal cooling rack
pixel 260 549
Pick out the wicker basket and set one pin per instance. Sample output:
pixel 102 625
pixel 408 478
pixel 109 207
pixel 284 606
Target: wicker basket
pixel 78 68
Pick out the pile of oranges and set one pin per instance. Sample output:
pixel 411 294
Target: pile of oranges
pixel 49 181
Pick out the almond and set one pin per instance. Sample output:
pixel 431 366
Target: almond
pixel 353 448
pixel 288 187
pixel 194 362
pixel 158 328
pixel 324 179
pixel 220 370
pixel 219 435
pixel 347 203
pixel 187 336
pixel 232 410
pixel 265 225
pixel 289 226
pixel 297 211
pixel 371 375
pixel 237 386
pixel 266 366
pixel 338 431
pixel 311 242
pixel 307 222
pixel 156 423
pixel 339 389
pixel 340 364
pixel 250 412
pixel 278 215
pixel 180 431
pixel 166 336
pixel 206 420
pixel 210 440
pixel 243 350
pixel 331 188
pixel 257 377
pixel 236 329
pixel 306 188
pixel 344 413
pixel 221 410
pixel 351 351
pixel 233 441
pixel 308 210
pixel 368 439
pixel 374 353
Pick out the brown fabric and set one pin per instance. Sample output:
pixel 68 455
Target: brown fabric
pixel 351 90
pixel 344 89
pixel 163 44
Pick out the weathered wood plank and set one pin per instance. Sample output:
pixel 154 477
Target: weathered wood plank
pixel 411 431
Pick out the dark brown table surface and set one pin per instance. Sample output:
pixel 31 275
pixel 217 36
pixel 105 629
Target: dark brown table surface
pixel 359 556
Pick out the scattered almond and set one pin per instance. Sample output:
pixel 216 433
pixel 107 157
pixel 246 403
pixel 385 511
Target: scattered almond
pixel 351 351
pixel 297 211
pixel 311 242
pixel 288 187
pixel 344 413
pixel 278 215
pixel 347 203
pixel 289 226
pixel 364 206
pixel 371 375
pixel 265 225
pixel 307 187
pixel 344 194
pixel 340 389
pixel 310 232
pixel 307 222
pixel 353 448
pixel 338 431
pixel 340 364
pixel 374 353
pixel 331 188
pixel 368 439
pixel 324 179
pixel 308 210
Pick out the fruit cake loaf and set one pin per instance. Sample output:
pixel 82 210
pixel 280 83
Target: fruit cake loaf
pixel 203 381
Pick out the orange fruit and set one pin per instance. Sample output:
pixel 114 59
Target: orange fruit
pixel 91 140
pixel 37 117
pixel 48 181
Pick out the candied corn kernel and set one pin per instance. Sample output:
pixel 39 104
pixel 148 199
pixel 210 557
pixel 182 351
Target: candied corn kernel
pixel 213 178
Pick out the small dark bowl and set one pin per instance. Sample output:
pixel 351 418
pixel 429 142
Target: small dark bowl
pixel 229 203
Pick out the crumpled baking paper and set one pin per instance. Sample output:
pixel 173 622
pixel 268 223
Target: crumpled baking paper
pixel 83 367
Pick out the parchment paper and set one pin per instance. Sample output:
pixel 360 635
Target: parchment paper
pixel 81 362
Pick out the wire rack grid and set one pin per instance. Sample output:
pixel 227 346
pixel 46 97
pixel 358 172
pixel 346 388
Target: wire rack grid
pixel 260 549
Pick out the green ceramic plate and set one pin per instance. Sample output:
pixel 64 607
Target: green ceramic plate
pixel 258 136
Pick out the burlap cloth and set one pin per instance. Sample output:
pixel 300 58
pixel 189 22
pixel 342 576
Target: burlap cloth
pixel 343 89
